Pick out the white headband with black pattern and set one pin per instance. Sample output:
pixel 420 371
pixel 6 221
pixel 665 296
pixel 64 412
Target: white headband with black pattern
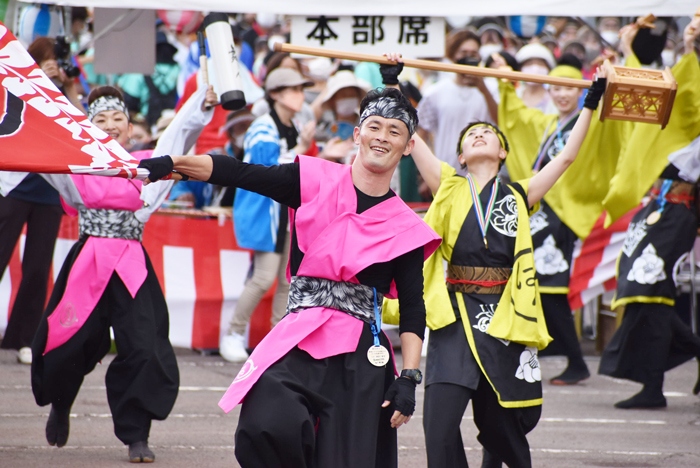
pixel 388 108
pixel 106 103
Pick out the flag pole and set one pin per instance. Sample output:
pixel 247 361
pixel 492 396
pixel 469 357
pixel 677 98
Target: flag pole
pixel 436 66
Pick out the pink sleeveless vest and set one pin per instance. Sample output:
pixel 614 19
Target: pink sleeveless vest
pixel 337 243
pixel 100 257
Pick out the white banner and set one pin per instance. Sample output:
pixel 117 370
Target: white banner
pixel 411 7
pixel 413 36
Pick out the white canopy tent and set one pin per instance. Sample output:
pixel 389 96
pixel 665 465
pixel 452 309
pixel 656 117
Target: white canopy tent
pixel 411 7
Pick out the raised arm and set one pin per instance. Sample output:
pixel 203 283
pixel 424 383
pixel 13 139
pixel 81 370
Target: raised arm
pixel 690 34
pixel 428 164
pixel 547 177
pixel 541 182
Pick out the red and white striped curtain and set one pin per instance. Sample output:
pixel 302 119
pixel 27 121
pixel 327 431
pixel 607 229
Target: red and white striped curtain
pixel 200 267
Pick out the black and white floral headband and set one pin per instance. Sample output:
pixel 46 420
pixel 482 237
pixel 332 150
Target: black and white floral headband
pixel 388 108
pixel 106 103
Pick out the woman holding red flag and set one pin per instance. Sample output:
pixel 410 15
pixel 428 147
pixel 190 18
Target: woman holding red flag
pixel 107 281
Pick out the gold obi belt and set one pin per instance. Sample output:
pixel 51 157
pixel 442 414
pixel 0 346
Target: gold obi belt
pixel 477 280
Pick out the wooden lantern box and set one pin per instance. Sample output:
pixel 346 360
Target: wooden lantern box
pixel 639 95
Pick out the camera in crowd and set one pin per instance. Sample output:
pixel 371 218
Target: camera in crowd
pixel 62 52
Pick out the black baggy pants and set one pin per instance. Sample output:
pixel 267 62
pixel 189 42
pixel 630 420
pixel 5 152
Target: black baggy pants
pixel 305 412
pixel 143 379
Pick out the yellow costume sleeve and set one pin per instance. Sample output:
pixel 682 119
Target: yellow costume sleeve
pixel 524 129
pixel 577 197
pixel 645 155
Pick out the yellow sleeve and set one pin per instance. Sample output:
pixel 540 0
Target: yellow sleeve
pixel 577 197
pixel 645 155
pixel 633 62
pixel 524 129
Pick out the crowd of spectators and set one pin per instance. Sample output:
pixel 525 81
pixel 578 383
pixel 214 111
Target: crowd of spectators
pixel 446 102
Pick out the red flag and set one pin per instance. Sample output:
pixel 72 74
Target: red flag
pixel 41 131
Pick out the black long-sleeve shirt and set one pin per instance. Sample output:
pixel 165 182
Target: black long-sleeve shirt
pixel 282 183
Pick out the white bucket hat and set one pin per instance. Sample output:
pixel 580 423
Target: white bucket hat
pixel 535 51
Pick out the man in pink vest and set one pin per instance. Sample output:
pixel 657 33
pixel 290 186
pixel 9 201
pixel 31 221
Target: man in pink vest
pixel 320 389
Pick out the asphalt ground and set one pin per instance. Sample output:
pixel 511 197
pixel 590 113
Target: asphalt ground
pixel 579 425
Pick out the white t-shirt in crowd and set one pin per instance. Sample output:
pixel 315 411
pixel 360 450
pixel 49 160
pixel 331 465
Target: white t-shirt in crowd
pixel 446 108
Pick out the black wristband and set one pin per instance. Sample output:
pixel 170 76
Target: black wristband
pixel 184 177
pixel 390 73
pixel 595 92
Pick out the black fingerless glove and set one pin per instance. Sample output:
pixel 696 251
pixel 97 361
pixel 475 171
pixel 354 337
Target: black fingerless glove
pixel 595 92
pixel 402 393
pixel 390 73
pixel 158 167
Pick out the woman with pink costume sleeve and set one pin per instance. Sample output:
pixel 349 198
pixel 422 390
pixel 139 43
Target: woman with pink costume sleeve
pixel 107 281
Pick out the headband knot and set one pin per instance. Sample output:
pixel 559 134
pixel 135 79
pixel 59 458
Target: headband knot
pixel 106 103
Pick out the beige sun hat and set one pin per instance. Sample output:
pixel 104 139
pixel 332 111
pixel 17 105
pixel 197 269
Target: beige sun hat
pixel 343 79
pixel 285 78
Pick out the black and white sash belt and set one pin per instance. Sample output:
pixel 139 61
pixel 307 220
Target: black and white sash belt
pixel 356 300
pixel 116 224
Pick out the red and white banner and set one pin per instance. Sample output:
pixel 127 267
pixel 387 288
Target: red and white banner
pixel 41 131
pixel 595 260
pixel 200 267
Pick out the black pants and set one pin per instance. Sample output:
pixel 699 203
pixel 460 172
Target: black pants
pixel 305 412
pixel 142 381
pixel 651 340
pixel 502 431
pixel 561 327
pixel 42 222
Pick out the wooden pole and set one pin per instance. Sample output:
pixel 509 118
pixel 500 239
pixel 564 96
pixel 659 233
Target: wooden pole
pixel 437 66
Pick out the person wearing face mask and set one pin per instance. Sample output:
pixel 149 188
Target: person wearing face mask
pixel 570 209
pixel 535 59
pixel 107 282
pixel 609 28
pixel 237 124
pixel 450 104
pixel 29 199
pixel 492 38
pixel 283 60
pixel 260 223
pixel 336 109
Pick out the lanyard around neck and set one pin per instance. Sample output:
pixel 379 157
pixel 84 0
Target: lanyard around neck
pixel 548 141
pixel 483 218
pixel 376 325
